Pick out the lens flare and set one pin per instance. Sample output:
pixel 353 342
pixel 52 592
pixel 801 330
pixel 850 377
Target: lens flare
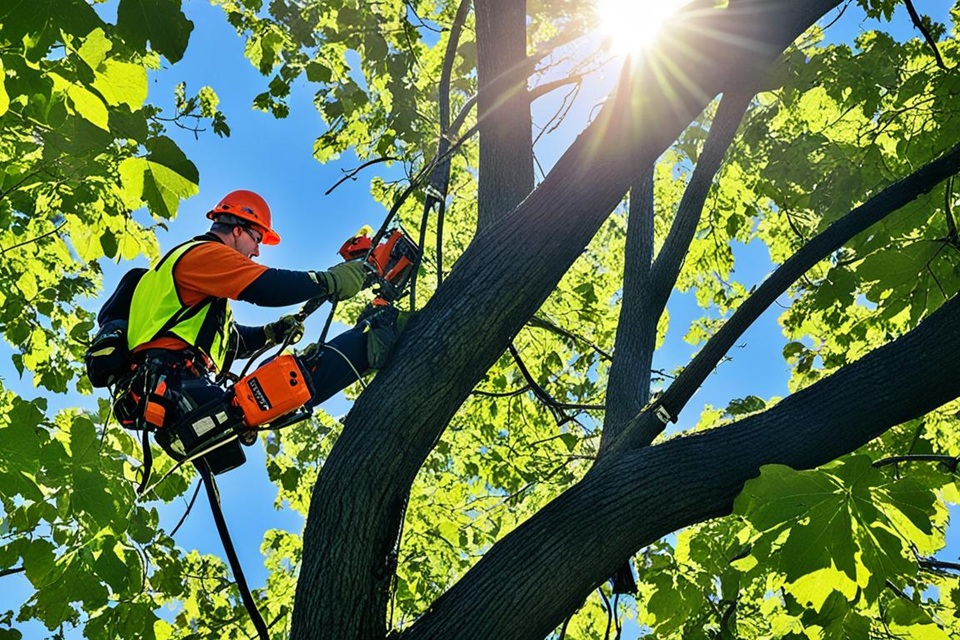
pixel 633 25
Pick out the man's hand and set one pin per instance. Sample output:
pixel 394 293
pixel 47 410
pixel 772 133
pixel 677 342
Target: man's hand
pixel 344 280
pixel 278 331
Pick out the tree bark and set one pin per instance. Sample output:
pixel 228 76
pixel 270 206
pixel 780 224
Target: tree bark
pixel 628 386
pixel 649 297
pixel 497 285
pixel 503 109
pixel 532 579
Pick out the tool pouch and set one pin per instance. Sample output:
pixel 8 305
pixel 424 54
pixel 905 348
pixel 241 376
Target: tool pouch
pixel 210 428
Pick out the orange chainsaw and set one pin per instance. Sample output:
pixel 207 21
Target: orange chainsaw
pixel 391 263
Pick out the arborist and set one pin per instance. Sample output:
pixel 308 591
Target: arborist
pixel 182 334
pixel 167 340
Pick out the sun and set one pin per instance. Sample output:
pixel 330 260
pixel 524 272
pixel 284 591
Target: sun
pixel 633 25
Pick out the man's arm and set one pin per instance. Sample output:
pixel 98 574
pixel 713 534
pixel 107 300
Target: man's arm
pixel 213 269
pixel 280 287
pixel 250 340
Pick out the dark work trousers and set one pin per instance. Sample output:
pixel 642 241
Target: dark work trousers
pixel 332 367
pixel 337 364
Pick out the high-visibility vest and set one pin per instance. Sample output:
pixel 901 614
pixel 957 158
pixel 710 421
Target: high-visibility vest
pixel 205 326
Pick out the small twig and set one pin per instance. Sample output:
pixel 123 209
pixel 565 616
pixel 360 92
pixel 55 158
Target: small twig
pixel 938 565
pixel 606 600
pixel 538 391
pixel 19 182
pixel 897 590
pixel 40 237
pixel 501 394
pixel 352 174
pixel 843 10
pixel 545 88
pixel 948 210
pixel 543 323
pixel 561 113
pixel 186 513
pixel 918 23
pixel 422 22
pixel 557 408
pixel 950 462
pixel 8 572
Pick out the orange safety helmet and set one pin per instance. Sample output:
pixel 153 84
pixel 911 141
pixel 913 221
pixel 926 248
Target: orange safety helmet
pixel 249 206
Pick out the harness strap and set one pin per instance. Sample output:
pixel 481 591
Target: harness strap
pixel 147 461
pixel 214 497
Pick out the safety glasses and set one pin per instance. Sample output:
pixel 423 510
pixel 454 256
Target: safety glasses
pixel 258 238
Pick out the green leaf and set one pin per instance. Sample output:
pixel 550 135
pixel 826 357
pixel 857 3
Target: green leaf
pixel 111 568
pixel 4 96
pixel 39 561
pixel 161 179
pixel 161 22
pixel 831 519
pixel 19 440
pixel 37 23
pixel 95 48
pixel 85 103
pixel 108 241
pixel 122 83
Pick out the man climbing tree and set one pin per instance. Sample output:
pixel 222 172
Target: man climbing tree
pixel 194 281
pixel 182 342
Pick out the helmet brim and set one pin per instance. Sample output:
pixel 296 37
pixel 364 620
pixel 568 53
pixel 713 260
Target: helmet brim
pixel 270 237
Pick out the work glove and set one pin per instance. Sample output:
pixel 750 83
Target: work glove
pixel 343 280
pixel 278 331
pixel 383 325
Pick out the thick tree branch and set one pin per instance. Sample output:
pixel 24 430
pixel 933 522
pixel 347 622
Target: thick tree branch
pixel 543 89
pixel 628 389
pixel 645 426
pixel 503 109
pixel 939 565
pixel 651 298
pixel 666 268
pixel 496 286
pixel 621 505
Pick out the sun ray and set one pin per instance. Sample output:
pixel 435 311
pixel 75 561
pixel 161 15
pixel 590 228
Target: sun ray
pixel 632 26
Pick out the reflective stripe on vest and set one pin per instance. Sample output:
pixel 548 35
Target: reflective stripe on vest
pixel 156 304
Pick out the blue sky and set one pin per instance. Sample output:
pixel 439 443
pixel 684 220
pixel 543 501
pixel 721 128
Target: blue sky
pixel 275 159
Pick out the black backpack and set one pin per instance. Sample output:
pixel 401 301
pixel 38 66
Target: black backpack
pixel 108 356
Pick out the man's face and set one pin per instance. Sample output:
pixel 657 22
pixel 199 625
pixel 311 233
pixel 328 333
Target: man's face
pixel 247 240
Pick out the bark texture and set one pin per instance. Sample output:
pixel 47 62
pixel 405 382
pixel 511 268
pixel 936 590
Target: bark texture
pixel 644 300
pixel 628 388
pixel 503 109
